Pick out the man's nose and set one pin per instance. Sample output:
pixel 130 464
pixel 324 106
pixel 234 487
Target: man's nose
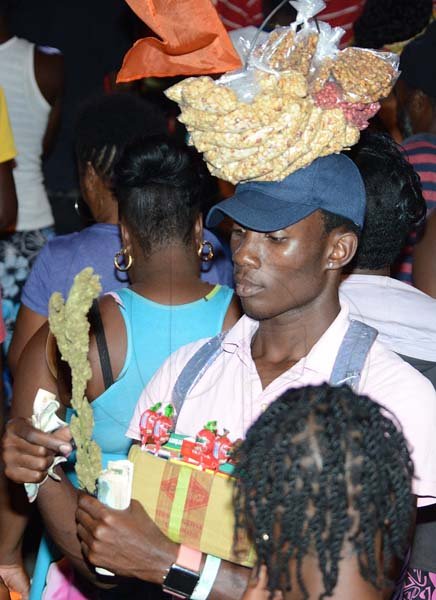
pixel 246 250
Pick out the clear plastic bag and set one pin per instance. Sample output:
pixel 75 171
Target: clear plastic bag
pixel 298 98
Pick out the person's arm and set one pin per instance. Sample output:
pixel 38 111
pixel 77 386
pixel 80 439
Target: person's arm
pixel 14 507
pixel 424 259
pixel 27 324
pixel 128 543
pixel 8 152
pixel 8 196
pixel 27 452
pixel 49 74
pixel 41 282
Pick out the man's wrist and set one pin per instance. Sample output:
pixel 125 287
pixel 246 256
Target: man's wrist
pixel 165 555
pixel 183 575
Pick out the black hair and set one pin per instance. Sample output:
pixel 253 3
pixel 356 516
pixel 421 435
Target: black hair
pixel 158 185
pixel 388 21
pixel 321 467
pixel 394 201
pixel 334 221
pixel 107 123
pixel 5 7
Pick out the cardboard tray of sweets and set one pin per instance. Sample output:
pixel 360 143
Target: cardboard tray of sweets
pixel 190 505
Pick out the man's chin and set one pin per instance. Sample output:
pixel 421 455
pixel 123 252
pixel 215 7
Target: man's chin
pixel 256 315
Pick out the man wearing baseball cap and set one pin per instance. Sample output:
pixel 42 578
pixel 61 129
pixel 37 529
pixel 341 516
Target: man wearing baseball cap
pixel 290 243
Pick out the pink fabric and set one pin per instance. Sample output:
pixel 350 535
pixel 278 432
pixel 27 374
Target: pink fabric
pixel 419 585
pixel 60 583
pixel 231 393
pixel 2 323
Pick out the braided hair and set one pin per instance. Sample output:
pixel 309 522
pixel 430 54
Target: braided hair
pixel 322 467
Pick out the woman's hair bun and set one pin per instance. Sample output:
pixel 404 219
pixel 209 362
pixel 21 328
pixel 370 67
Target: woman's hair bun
pixel 156 160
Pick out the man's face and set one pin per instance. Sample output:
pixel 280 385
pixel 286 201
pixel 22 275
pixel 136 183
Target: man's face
pixel 280 271
pixel 414 112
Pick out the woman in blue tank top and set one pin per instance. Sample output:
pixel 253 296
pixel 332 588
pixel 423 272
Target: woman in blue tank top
pixel 158 187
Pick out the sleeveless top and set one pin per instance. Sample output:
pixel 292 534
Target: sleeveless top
pixel 28 111
pixel 153 332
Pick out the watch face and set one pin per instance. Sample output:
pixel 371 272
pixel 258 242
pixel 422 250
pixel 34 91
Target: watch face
pixel 181 581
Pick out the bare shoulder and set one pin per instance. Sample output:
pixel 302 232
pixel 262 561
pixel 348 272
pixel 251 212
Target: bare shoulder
pixel 116 341
pixel 49 74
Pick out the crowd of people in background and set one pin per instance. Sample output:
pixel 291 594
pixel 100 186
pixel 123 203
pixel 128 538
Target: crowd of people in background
pixel 335 484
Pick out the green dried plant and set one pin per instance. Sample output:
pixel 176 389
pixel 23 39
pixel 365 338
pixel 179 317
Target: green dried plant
pixel 70 326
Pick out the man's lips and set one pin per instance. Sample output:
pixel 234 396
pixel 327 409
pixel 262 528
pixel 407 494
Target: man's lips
pixel 246 288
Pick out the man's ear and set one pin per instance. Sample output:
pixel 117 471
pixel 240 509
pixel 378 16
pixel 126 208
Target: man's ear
pixel 342 249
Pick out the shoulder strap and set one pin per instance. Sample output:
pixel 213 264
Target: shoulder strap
pixel 194 370
pixel 100 337
pixel 352 354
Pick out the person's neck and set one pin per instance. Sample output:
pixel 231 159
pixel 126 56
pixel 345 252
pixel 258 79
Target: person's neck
pixel 384 272
pixel 107 211
pixel 350 583
pixel 169 276
pixel 433 127
pixel 5 34
pixel 290 336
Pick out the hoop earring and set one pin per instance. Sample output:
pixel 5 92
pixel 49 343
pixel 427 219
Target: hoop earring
pixel 210 254
pixel 85 218
pixel 123 253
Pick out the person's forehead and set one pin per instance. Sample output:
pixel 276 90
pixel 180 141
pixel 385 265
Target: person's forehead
pixel 312 221
pixel 403 91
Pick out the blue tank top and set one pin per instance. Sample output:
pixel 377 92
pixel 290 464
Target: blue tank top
pixel 153 332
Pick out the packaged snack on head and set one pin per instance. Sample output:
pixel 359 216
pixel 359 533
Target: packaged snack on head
pixel 263 122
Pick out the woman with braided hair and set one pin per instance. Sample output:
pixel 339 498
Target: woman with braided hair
pixel 324 490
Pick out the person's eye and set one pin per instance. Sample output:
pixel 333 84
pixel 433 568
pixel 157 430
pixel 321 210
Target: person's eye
pixel 237 231
pixel 275 238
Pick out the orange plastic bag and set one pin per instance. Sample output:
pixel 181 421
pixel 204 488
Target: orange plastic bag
pixel 193 41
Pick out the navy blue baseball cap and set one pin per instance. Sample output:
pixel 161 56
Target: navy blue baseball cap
pixel 331 183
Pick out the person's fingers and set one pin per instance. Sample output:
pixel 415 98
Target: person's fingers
pixel 22 467
pixel 21 428
pixel 25 461
pixel 20 475
pixel 84 519
pixel 86 538
pixel 90 505
pixel 64 434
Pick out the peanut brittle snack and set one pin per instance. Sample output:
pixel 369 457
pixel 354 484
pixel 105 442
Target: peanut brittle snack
pixel 363 75
pixel 298 98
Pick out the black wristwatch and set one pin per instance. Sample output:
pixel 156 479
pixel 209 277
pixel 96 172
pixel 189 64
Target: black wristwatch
pixel 180 582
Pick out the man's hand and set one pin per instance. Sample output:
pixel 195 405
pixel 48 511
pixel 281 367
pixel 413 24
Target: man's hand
pixel 28 453
pixel 126 542
pixel 16 579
